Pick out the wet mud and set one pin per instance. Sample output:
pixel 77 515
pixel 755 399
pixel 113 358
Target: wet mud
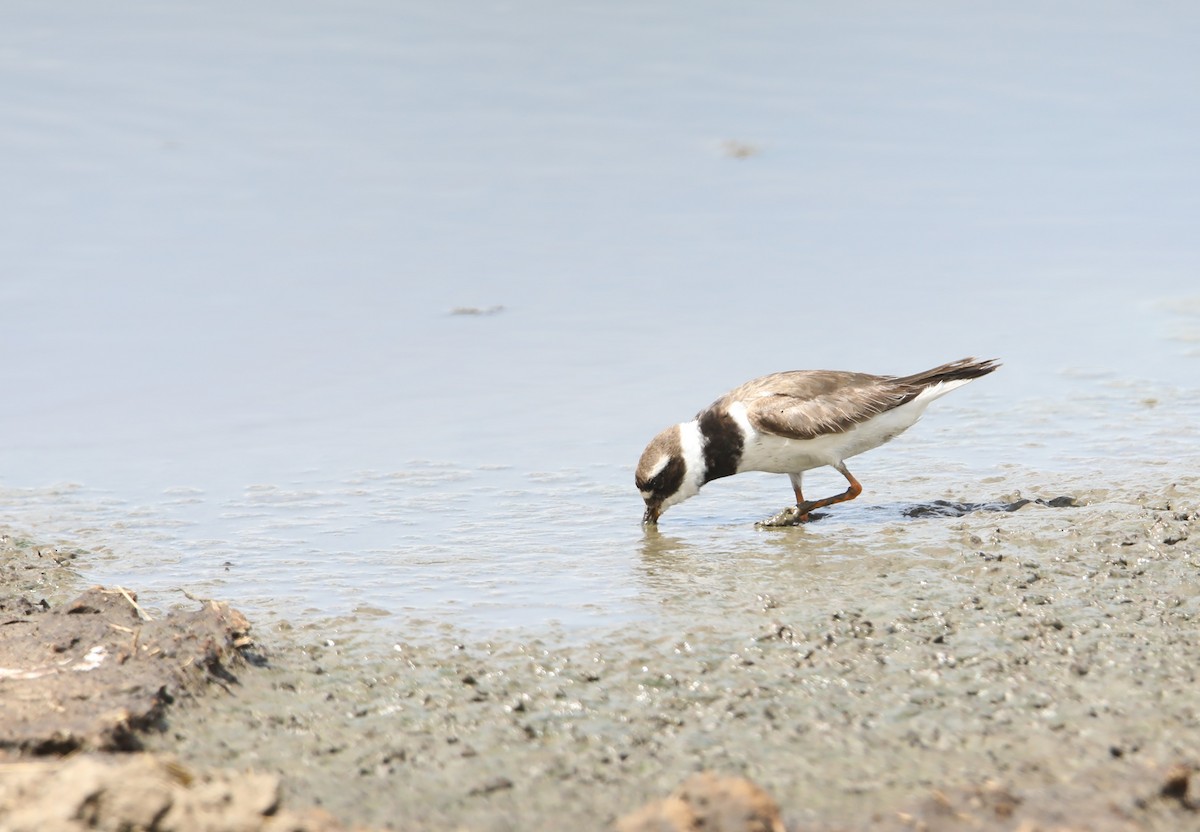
pixel 1031 666
pixel 1046 650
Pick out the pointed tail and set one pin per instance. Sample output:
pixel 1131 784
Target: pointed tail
pixel 963 370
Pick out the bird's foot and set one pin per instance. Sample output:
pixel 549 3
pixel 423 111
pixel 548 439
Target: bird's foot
pixel 790 516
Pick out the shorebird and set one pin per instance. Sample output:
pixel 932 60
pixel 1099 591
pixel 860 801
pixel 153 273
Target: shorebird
pixel 789 423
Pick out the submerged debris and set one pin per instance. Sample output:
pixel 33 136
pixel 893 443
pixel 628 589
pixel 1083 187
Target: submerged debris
pixel 477 310
pixel 948 508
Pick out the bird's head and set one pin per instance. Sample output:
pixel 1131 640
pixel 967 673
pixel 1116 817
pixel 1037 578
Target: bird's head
pixel 667 473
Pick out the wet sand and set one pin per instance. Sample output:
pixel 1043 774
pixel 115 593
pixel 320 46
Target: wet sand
pixel 1036 665
pixel 1051 651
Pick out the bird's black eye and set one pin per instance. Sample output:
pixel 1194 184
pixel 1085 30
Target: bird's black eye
pixel 655 483
pixel 666 481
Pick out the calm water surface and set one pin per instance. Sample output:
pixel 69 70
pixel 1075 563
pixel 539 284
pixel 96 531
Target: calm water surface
pixel 233 250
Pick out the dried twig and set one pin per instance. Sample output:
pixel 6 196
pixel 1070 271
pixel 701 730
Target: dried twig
pixel 142 614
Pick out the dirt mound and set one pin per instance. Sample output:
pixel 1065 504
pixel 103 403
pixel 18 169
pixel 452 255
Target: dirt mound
pixel 88 675
pixel 93 675
pixel 143 792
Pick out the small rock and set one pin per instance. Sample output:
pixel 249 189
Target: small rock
pixel 492 785
pixel 1062 502
pixel 1176 785
pixel 709 802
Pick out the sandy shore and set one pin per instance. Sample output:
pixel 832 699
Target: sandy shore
pixel 1044 672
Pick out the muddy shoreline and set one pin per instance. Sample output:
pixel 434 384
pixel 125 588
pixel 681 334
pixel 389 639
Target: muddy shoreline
pixel 1040 668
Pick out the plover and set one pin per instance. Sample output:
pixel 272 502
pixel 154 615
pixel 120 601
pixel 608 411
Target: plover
pixel 789 423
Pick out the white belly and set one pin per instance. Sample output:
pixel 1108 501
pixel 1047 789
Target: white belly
pixel 779 455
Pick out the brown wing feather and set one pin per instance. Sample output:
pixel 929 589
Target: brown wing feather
pixel 806 404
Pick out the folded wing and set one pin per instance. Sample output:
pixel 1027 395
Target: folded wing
pixel 804 405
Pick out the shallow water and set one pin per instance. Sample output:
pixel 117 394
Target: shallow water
pixel 235 250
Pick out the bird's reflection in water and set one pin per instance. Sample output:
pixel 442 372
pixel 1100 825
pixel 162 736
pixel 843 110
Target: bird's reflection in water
pixel 697 562
pixel 665 558
pixel 669 562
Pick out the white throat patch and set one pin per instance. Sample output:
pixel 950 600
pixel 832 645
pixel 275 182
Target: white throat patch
pixel 691 445
pixel 691 441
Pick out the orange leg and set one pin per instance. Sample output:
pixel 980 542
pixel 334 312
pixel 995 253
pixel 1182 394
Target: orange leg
pixel 800 501
pixel 795 515
pixel 849 494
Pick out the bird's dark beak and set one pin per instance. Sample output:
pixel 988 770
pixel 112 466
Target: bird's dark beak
pixel 650 518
